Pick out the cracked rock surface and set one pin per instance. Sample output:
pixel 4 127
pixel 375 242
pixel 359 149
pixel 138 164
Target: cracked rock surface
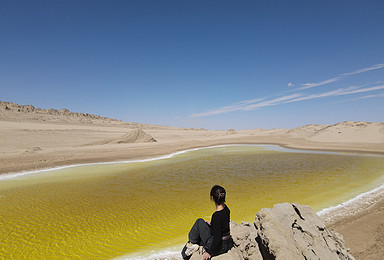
pixel 286 232
pixel 293 231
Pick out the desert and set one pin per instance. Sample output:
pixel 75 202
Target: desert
pixel 33 139
pixel 126 125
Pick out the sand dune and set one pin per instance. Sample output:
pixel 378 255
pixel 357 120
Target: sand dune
pixel 133 136
pixel 344 132
pixel 305 131
pixel 231 132
pixel 359 132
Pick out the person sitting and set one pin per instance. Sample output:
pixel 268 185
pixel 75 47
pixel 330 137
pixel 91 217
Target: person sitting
pixel 213 235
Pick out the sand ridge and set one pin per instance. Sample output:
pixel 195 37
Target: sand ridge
pixel 133 136
pixel 348 131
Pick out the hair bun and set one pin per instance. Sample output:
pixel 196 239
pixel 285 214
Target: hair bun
pixel 218 194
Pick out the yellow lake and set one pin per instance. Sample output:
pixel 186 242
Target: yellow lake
pixel 108 210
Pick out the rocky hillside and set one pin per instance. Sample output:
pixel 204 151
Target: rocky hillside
pixel 285 232
pixel 6 107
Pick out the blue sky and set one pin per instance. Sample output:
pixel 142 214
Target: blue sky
pixel 210 64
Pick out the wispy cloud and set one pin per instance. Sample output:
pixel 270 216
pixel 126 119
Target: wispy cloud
pixel 254 104
pixel 372 96
pixel 378 95
pixel 246 105
pixel 364 90
pixel 374 67
pixel 341 76
pixel 311 85
pixel 226 109
pixel 272 102
pixel 337 92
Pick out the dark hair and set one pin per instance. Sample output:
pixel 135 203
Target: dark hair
pixel 218 194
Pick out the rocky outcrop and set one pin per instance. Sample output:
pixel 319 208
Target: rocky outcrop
pixel 244 239
pixel 13 107
pixel 285 232
pixel 293 231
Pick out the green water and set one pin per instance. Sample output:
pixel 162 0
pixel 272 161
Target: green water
pixel 109 210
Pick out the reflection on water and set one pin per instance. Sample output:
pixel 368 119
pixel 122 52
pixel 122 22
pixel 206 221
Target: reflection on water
pixel 103 211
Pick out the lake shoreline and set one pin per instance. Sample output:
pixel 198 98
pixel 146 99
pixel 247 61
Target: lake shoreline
pixel 338 218
pixel 36 144
pixel 127 152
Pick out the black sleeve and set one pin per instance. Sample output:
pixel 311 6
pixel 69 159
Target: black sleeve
pixel 216 233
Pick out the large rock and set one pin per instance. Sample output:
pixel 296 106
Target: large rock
pixel 233 254
pixel 244 239
pixel 293 231
pixel 286 232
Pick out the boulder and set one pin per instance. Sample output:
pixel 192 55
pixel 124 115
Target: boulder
pixel 233 254
pixel 244 240
pixel 285 232
pixel 293 231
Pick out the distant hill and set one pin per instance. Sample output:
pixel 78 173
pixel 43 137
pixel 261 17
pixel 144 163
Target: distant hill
pixel 28 113
pixel 348 131
pixel 6 107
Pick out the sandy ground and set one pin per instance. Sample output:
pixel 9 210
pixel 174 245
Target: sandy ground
pixel 364 232
pixel 30 141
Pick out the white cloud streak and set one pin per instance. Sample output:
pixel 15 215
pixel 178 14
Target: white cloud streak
pixel 337 92
pixel 227 109
pixel 365 90
pixel 324 82
pixel 246 105
pixel 312 85
pixel 374 67
pixel 272 102
pixel 379 95
pixel 372 96
pixel 253 104
pixel 249 105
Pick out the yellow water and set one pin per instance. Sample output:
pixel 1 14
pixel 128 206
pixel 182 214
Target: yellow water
pixel 104 211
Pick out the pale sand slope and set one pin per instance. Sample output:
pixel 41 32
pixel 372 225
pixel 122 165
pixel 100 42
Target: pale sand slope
pixel 33 138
